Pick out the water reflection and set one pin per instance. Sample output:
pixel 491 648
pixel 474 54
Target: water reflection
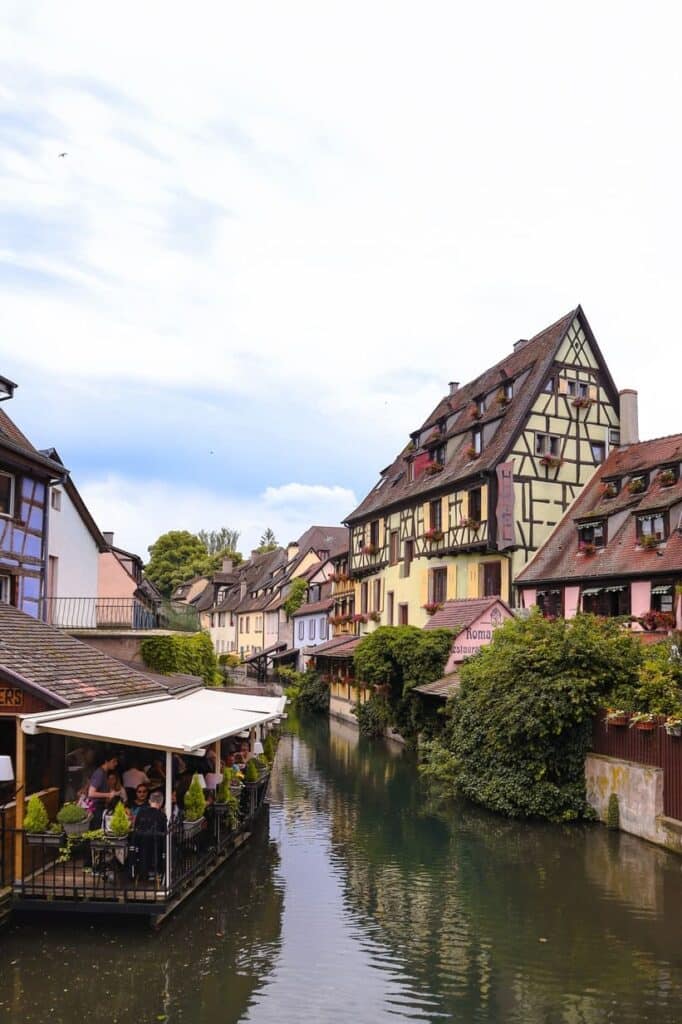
pixel 365 899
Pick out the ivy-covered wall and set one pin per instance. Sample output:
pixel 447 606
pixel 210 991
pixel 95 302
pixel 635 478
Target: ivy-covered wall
pixel 193 655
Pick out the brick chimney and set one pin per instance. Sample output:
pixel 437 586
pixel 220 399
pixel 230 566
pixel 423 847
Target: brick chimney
pixel 292 550
pixel 453 385
pixel 227 565
pixel 519 344
pixel 108 537
pixel 629 417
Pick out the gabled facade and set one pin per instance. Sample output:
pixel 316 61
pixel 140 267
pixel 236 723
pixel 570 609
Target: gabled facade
pixel 485 479
pixel 25 478
pixel 618 550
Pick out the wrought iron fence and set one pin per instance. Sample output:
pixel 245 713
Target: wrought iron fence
pixel 116 613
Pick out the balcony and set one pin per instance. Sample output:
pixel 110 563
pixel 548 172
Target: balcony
pixel 115 614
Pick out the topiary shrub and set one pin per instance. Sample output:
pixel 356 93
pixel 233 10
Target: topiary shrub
pixel 119 825
pixel 251 774
pixel 613 812
pixel 37 818
pixel 195 801
pixel 269 748
pixel 71 814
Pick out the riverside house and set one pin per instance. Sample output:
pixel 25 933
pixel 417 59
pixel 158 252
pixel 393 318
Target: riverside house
pixel 618 551
pixel 484 480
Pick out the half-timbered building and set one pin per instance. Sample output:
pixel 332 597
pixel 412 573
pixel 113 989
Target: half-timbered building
pixel 483 481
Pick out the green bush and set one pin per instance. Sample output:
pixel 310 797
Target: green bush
pixel 373 716
pixel 229 660
pixel 251 774
pixel 195 802
pixel 192 655
pixel 120 825
pixel 37 818
pixel 269 748
pixel 613 812
pixel 295 597
pixel 71 814
pixel 307 690
pixel 517 733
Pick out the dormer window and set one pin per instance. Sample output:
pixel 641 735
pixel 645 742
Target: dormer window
pixel 652 527
pixel 550 386
pixel 611 488
pixel 6 495
pixel 591 535
pixel 638 484
pixel 476 446
pixel 669 475
pixel 438 454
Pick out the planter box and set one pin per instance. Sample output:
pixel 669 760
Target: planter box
pixel 44 838
pixel 109 843
pixel 674 730
pixel 76 828
pixel 617 720
pixel 645 726
pixel 191 828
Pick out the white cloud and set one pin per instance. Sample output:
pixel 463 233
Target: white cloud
pixel 138 513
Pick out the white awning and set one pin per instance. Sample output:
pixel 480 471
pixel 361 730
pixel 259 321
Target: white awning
pixel 662 589
pixel 591 591
pixel 183 724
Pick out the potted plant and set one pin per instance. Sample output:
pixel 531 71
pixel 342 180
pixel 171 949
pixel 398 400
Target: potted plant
pixel 374 617
pixel 471 524
pixel 501 398
pixel 73 818
pixel 252 775
pixel 648 542
pixel 588 548
pixel 667 477
pixel 226 803
pixel 433 534
pixel 37 826
pixel 472 453
pixel 431 607
pixel 616 716
pixel 195 804
pixel 269 747
pixel 636 485
pixel 610 490
pixel 673 725
pixel 433 467
pixel 644 721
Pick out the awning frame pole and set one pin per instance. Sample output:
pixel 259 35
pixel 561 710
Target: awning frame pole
pixel 169 818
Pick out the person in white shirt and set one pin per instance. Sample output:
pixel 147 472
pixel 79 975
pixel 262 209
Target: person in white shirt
pixel 134 777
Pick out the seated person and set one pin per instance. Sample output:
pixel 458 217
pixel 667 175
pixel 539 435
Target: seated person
pixel 134 777
pixel 150 837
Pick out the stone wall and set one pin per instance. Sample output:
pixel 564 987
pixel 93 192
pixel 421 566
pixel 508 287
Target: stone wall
pixel 639 788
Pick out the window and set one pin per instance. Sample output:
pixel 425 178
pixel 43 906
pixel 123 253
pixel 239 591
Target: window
pixel 598 451
pixel 248 623
pixel 301 629
pixel 435 514
pixel 548 444
pixel 438 585
pixel 311 629
pixel 480 405
pixel 551 603
pixel 578 389
pixel 438 454
pixel 6 494
pixel 390 600
pixel 56 500
pixel 377 596
pixel 221 619
pixel 653 526
pixel 550 386
pixel 475 504
pixel 374 533
pixel 364 598
pixel 491 573
pixel 410 472
pixel 395 546
pixel 607 601
pixel 477 441
pixel 662 598
pixel 402 615
pixel 508 390
pixel 409 556
pixel 614 438
pixel 323 628
pixel 593 534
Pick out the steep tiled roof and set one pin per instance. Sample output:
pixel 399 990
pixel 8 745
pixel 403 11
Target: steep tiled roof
pixel 314 607
pixel 13 439
pixel 559 558
pixel 528 367
pixel 63 670
pixel 443 688
pixel 459 614
pixel 338 646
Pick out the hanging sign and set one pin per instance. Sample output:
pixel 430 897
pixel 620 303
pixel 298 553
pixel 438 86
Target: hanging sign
pixel 505 506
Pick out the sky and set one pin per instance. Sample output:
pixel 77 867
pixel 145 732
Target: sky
pixel 281 229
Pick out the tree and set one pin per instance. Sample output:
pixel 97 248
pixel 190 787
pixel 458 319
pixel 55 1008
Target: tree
pixel 176 556
pixel 219 541
pixel 518 730
pixel 268 542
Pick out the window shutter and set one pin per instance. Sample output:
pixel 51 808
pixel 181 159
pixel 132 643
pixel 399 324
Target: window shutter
pixel 562 386
pixel 465 505
pixel 484 503
pixel 593 392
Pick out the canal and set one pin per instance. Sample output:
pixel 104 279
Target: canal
pixel 362 899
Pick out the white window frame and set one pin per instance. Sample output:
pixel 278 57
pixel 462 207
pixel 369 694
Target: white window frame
pixel 311 629
pixel 5 589
pixel 56 500
pixel 301 629
pixel 12 495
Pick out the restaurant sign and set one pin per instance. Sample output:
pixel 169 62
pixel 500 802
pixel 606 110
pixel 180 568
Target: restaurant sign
pixel 11 699
pixel 477 635
pixel 505 506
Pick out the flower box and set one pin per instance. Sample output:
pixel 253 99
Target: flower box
pixel 553 461
pixel 588 549
pixel 610 491
pixel 433 535
pixel 582 402
pixel 674 728
pixel 431 468
pixel 471 524
pixel 652 620
pixel 368 549
pixel 431 607
pixel 192 828
pixel 472 453
pixel 643 721
pixel 44 838
pixel 648 542
pixel 359 617
pixel 667 478
pixel 636 486
pixel 617 718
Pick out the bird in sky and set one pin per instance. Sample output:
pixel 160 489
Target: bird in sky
pixel 62 154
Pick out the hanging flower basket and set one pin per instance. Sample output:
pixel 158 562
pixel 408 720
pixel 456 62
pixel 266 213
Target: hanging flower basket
pixel 643 721
pixel 431 607
pixel 474 412
pixel 501 398
pixel 673 726
pixel 553 461
pixel 374 617
pixel 433 535
pixel 433 467
pixel 615 716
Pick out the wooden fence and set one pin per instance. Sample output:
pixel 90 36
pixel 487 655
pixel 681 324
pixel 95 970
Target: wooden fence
pixel 655 748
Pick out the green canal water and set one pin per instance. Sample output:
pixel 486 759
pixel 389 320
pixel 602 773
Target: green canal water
pixel 360 899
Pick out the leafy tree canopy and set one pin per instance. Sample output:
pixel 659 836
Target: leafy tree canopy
pixel 176 556
pixel 517 732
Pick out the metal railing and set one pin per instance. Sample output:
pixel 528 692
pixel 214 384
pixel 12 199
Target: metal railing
pixel 116 613
pixel 132 870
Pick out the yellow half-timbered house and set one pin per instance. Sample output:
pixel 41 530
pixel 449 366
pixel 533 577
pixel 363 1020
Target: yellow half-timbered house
pixel 485 479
